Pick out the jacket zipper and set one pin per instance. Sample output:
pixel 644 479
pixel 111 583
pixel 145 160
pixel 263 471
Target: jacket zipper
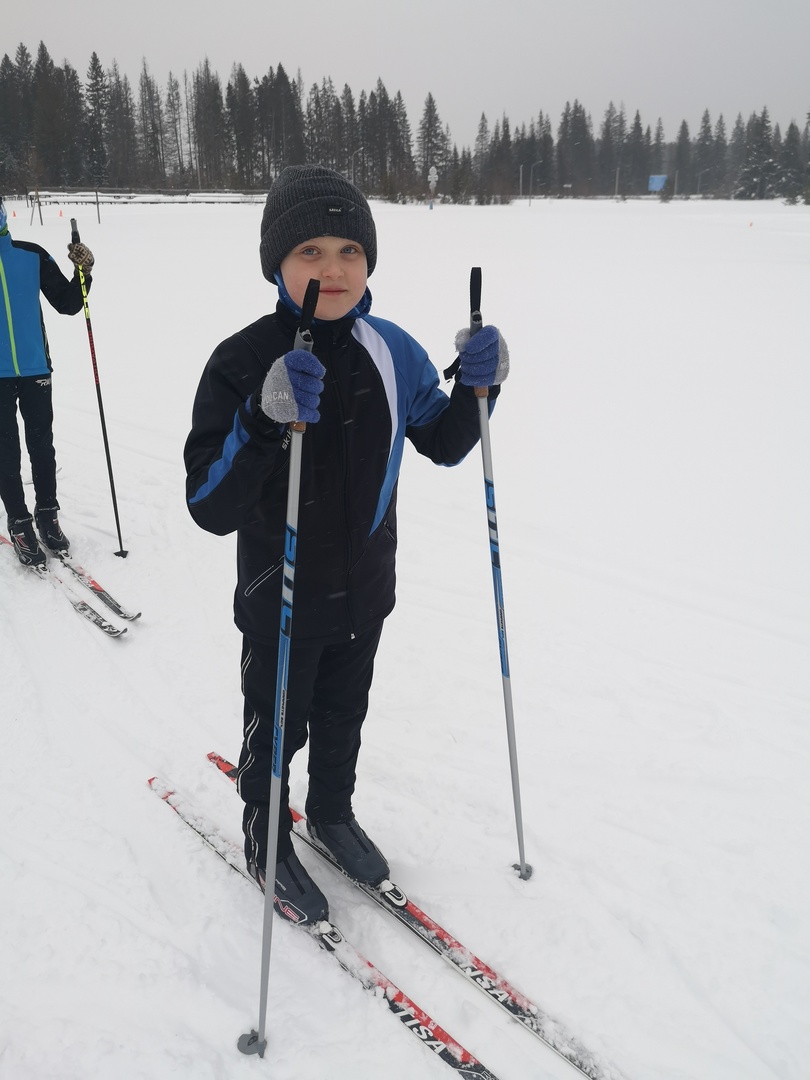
pixel 346 521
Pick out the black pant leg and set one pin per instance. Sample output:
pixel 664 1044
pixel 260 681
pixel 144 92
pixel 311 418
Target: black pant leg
pixel 11 486
pixel 327 701
pixel 259 677
pixel 36 408
pixel 339 707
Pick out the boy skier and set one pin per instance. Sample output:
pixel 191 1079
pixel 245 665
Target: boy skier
pixel 366 387
pixel 25 381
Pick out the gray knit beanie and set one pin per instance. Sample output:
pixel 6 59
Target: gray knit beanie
pixel 307 201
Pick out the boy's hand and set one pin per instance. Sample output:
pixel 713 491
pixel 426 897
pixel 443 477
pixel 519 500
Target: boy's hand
pixel 292 388
pixel 81 255
pixel 483 357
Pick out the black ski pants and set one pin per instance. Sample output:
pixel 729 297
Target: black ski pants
pixel 327 701
pixel 33 395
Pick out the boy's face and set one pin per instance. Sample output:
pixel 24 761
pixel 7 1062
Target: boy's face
pixel 339 265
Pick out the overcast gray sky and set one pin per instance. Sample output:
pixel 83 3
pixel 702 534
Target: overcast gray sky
pixel 516 57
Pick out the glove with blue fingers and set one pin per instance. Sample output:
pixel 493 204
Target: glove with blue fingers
pixel 292 388
pixel 483 356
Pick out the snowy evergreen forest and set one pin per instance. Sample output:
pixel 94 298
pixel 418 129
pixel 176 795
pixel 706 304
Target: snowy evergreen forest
pixel 57 130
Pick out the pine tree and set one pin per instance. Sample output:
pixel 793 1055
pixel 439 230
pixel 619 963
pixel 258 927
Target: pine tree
pixel 151 129
pixel 403 167
pixel 501 163
pixel 432 143
pixel 683 161
pixel 175 143
pixel 480 161
pixel 23 116
pixel 720 158
pixel 637 158
pixel 209 130
pixel 97 96
pixel 736 153
pixel 704 156
pixel 607 153
pixel 657 162
pixel 576 151
pixel 240 103
pixel 45 154
pixel 758 177
pixel 790 179
pixel 72 126
pixel 120 131
pixel 10 143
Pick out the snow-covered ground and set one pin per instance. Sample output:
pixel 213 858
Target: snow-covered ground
pixel 651 457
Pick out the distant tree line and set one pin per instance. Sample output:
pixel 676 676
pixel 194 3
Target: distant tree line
pixel 59 131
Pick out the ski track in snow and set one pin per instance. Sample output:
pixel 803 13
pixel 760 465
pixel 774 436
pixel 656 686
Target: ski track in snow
pixel 650 454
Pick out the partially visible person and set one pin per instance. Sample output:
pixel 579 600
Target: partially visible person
pixel 26 269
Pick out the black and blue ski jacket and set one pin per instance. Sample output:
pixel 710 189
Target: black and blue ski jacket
pixel 380 388
pixel 26 270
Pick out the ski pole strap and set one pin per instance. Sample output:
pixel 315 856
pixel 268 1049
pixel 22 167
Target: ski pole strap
pixel 303 337
pixel 475 325
pixel 475 300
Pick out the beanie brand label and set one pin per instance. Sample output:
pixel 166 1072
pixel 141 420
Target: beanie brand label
pixel 334 210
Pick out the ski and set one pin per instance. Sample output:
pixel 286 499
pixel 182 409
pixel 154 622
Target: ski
pixel 393 900
pixel 80 606
pixel 329 938
pixel 90 583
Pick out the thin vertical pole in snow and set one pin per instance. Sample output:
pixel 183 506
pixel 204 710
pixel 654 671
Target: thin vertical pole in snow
pixel 482 393
pixel 254 1042
pixel 74 238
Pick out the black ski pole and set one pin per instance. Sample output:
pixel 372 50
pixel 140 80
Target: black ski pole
pixel 482 393
pixel 255 1042
pixel 74 237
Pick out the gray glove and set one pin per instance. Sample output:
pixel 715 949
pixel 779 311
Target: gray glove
pixel 81 255
pixel 292 388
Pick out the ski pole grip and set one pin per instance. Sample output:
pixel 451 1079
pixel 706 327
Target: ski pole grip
pixel 476 321
pixel 74 231
pixel 303 337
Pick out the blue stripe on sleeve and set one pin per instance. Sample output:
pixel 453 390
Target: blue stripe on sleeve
pixel 237 438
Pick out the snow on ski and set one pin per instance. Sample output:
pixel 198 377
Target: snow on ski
pixel 393 900
pixel 90 583
pixel 330 939
pixel 80 606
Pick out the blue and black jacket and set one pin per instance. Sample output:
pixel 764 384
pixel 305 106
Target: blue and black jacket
pixel 25 271
pixel 380 388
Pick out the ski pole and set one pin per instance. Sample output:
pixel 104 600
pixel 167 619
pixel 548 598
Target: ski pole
pixel 74 237
pixel 482 393
pixel 255 1042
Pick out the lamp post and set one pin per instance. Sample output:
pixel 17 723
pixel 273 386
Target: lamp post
pixel 359 150
pixel 531 179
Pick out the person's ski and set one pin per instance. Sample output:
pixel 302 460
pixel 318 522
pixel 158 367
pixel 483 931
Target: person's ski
pixel 80 606
pixel 393 900
pixel 90 583
pixel 330 939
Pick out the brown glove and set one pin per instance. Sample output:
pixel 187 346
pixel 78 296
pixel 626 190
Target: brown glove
pixel 82 256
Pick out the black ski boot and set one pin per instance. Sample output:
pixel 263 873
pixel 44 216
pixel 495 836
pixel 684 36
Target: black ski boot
pixel 346 842
pixel 297 897
pixel 22 535
pixel 50 529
